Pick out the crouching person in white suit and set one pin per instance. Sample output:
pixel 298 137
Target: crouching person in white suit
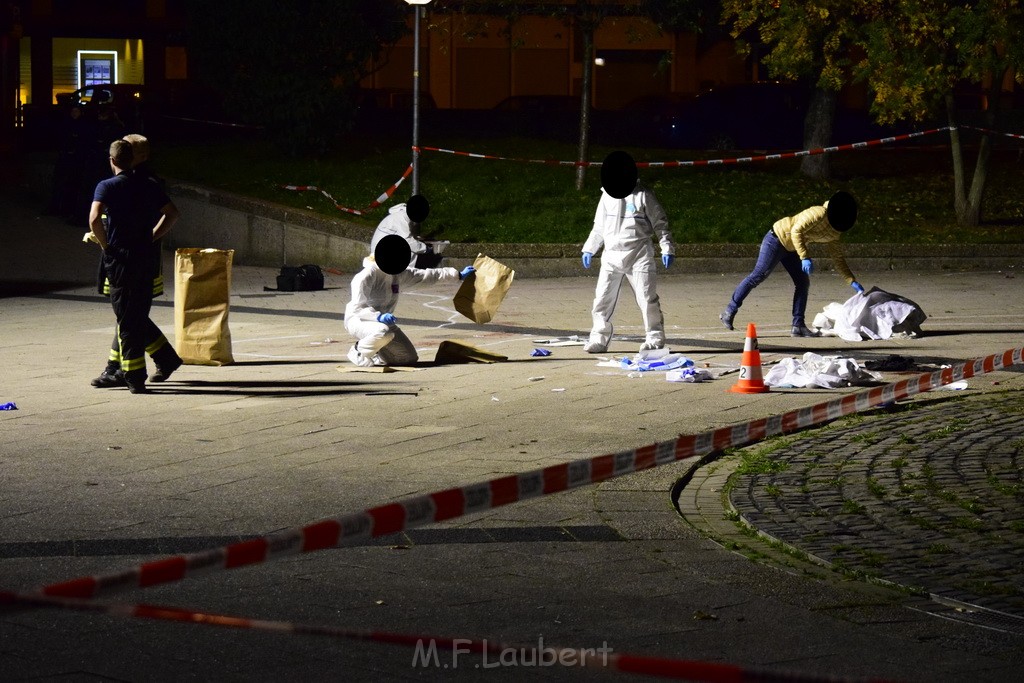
pixel 369 315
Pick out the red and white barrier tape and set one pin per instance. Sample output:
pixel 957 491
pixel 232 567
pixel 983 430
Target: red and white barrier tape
pixel 707 162
pixel 989 131
pixel 456 502
pixel 427 647
pixel 358 212
pixel 644 164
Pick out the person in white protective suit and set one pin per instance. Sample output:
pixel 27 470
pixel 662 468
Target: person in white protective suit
pixel 369 315
pixel 628 220
pixel 402 220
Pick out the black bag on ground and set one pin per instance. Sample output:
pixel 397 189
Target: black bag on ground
pixel 307 278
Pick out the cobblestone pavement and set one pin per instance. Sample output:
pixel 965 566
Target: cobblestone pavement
pixel 927 497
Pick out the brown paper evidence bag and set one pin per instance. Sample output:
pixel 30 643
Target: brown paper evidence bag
pixel 202 290
pixel 481 293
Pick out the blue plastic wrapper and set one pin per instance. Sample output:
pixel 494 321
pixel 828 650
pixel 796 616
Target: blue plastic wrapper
pixel 540 352
pixel 8 406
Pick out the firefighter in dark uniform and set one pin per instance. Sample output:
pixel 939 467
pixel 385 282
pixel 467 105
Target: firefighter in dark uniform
pixel 130 203
pixel 158 347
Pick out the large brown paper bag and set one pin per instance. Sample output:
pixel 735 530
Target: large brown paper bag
pixel 482 292
pixel 453 353
pixel 202 287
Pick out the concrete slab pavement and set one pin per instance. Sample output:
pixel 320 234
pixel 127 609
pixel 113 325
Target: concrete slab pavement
pixel 99 480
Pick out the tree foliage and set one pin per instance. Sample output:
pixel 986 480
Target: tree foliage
pixel 291 66
pixel 911 53
pixel 917 52
pixel 808 40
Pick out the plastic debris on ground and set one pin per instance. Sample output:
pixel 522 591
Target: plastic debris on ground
pixel 658 360
pixel 954 386
pixel 573 340
pixel 876 314
pixel 8 406
pixel 827 372
pixel 540 353
pixel 688 375
pixel 676 366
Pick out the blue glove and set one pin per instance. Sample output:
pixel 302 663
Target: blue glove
pixel 807 266
pixel 856 286
pixel 386 318
pixel 587 259
pixel 468 270
pixel 667 259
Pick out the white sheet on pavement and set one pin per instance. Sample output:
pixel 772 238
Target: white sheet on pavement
pixel 813 370
pixel 876 314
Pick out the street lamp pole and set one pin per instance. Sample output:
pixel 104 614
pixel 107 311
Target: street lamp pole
pixel 418 6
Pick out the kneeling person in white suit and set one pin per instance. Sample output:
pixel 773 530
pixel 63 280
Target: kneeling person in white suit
pixel 369 315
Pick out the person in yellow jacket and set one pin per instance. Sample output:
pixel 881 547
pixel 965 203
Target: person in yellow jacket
pixel 787 242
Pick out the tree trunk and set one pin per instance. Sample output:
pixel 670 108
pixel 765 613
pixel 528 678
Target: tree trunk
pixel 588 69
pixel 821 115
pixel 967 204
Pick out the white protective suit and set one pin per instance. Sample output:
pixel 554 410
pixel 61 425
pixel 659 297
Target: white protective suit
pixel 626 229
pixel 375 292
pixel 397 223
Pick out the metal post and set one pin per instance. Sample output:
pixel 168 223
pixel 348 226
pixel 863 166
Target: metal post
pixel 416 106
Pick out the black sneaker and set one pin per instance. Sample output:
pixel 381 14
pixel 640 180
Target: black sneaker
pixel 803 331
pixel 109 380
pixel 163 374
pixel 726 318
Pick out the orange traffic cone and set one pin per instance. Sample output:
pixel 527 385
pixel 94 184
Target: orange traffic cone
pixel 750 381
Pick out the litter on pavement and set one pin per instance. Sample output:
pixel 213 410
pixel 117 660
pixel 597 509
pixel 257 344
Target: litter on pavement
pixel 828 372
pixel 688 375
pixel 558 341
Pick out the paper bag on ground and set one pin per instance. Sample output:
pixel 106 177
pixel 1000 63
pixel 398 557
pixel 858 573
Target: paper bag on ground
pixel 454 353
pixel 202 288
pixel 482 292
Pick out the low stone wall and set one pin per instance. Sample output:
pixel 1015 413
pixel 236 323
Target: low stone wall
pixel 265 234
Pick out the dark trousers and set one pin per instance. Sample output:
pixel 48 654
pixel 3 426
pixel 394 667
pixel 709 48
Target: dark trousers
pixel 157 346
pixel 131 296
pixel 772 253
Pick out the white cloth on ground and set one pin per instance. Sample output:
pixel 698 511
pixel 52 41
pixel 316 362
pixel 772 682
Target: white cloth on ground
pixel 828 372
pixel 876 314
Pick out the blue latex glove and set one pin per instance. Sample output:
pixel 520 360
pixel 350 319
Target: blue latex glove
pixel 667 259
pixel 857 287
pixel 540 353
pixel 587 259
pixel 386 318
pixel 468 270
pixel 807 266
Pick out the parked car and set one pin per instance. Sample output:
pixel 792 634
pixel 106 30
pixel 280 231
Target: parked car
pixel 129 101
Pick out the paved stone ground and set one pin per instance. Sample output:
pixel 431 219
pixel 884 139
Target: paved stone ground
pixel 94 481
pixel 929 498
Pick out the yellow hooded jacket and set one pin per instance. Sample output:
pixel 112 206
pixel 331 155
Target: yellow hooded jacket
pixel 811 225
